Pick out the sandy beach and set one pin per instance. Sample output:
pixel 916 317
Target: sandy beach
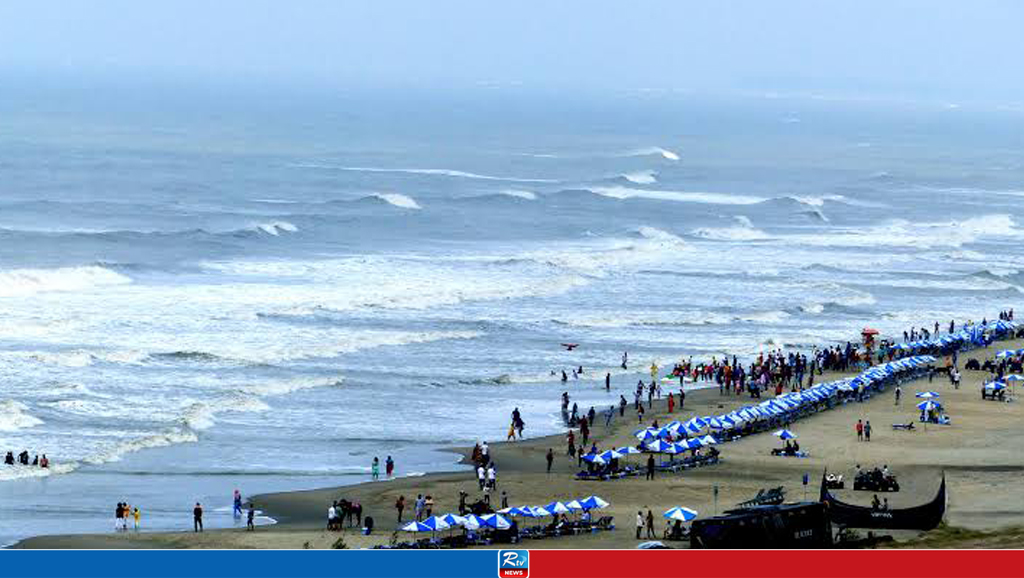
pixel 976 452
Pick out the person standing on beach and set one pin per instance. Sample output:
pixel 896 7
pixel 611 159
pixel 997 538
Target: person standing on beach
pixel 671 403
pixel 622 405
pixel 485 453
pixel 584 431
pixel 237 510
pixel 571 439
pixel 860 430
pixel 639 523
pixel 481 477
pixel 118 512
pixel 650 524
pixel 550 458
pixel 608 381
pixel 867 431
pixel 418 506
pixel 640 414
pixel 899 392
pixel 650 467
pixel 492 477
pixel 250 524
pixel 389 466
pixel 608 416
pixel 400 507
pixel 375 469
pixel 625 358
pixel 682 398
pixel 137 516
pixel 197 518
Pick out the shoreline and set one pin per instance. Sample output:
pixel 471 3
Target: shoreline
pixel 969 452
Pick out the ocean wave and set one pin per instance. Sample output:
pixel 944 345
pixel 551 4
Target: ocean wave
pixel 624 193
pixel 275 228
pixel 21 282
pixel 648 177
pixel 675 319
pixel 157 440
pixel 429 172
pixel 817 201
pixel 902 233
pixel 397 200
pixel 652 151
pixel 81 357
pixel 13 416
pixel 528 195
pixel 741 232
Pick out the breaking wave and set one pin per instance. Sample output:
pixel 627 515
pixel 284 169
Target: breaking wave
pixel 430 172
pixel 276 228
pixel 14 418
pixel 648 177
pixel 21 282
pixel 623 193
pixel 650 151
pixel 398 200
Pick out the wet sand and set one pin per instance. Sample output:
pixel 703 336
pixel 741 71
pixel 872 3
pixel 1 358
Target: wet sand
pixel 978 454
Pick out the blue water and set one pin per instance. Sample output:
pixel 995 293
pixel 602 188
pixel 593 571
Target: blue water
pixel 207 292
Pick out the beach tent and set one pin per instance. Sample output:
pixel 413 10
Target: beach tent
pixel 785 434
pixel 680 513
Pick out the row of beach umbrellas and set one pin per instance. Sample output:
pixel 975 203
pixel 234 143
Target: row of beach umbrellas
pixel 653 438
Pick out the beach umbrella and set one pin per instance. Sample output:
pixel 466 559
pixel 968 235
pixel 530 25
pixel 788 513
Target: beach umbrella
pixel 680 513
pixel 692 444
pixel 1006 353
pixel 556 508
pixel 1014 377
pixel 496 521
pixel 928 405
pixel 648 434
pixel 574 505
pixel 513 511
pixel 627 450
pixel 927 395
pixel 708 440
pixel 995 385
pixel 785 434
pixel 452 519
pixel 594 459
pixel 533 512
pixel 428 525
pixel 593 503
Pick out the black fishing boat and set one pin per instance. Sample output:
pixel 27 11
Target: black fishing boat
pixel 802 525
pixel 923 517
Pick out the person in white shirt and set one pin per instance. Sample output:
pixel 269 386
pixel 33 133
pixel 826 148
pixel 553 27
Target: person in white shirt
pixel 492 477
pixel 331 514
pixel 485 452
pixel 639 524
pixel 481 476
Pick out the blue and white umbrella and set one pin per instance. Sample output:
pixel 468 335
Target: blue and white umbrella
pixel 627 450
pixel 648 434
pixel 929 405
pixel 1006 353
pixel 708 440
pixel 495 521
pixel 594 459
pixel 1014 377
pixel 995 386
pixel 513 511
pixel 927 395
pixel 680 513
pixel 451 519
pixel 428 525
pixel 574 505
pixel 593 503
pixel 556 508
pixel 785 434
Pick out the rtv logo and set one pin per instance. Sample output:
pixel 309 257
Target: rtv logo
pixel 513 563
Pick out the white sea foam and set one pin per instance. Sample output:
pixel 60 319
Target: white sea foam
pixel 276 228
pixel 20 282
pixel 399 200
pixel 678 196
pixel 528 195
pixel 157 440
pixel 641 177
pixel 436 172
pixel 13 416
pixel 817 201
pixel 664 153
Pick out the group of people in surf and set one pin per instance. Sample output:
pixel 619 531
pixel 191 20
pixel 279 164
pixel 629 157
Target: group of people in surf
pixel 23 460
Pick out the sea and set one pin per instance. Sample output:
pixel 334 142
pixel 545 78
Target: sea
pixel 210 290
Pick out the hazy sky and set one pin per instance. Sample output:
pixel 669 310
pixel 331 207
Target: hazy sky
pixel 939 50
